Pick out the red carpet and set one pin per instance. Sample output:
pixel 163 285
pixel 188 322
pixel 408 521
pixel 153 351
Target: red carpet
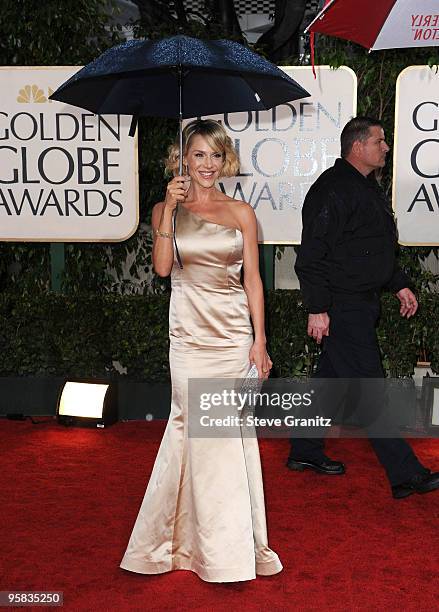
pixel 69 498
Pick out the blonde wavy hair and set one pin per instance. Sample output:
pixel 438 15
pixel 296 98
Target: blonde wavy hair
pixel 217 138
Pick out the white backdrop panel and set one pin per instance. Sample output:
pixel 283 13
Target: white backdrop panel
pixel 416 156
pixel 285 149
pixel 65 174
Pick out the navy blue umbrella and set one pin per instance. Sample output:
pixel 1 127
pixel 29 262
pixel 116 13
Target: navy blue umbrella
pixel 178 77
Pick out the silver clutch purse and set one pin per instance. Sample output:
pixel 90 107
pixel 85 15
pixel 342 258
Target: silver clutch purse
pixel 251 382
pixel 251 385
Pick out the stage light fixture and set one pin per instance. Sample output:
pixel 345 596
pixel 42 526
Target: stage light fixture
pixel 89 403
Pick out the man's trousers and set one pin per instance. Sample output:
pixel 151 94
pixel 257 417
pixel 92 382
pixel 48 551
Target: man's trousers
pixel 351 351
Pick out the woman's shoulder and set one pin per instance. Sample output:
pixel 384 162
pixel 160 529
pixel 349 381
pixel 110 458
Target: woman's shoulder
pixel 237 205
pixel 242 212
pixel 243 209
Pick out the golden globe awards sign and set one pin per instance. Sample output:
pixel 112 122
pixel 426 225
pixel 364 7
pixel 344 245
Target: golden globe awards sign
pixel 285 149
pixel 65 174
pixel 415 162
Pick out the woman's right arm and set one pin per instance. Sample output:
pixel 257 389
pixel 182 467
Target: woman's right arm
pixel 163 245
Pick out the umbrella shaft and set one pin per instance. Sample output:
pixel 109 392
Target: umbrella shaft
pixel 180 119
pixel 180 155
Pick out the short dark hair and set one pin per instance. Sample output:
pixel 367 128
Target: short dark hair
pixel 356 129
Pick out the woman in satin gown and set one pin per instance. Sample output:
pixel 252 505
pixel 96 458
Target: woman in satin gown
pixel 203 509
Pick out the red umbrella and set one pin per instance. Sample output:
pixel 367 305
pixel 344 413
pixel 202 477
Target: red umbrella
pixel 380 24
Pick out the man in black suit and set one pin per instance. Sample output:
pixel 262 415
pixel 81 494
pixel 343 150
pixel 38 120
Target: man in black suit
pixel 347 257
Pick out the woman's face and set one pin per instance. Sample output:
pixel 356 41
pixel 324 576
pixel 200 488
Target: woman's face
pixel 204 163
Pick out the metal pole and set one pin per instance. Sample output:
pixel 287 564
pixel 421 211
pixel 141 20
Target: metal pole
pixel 266 265
pixel 57 265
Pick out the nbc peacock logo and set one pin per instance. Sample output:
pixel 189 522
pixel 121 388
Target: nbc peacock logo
pixel 33 94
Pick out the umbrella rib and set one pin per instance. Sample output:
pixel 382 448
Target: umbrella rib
pixel 381 26
pixel 319 15
pixel 243 76
pixel 100 106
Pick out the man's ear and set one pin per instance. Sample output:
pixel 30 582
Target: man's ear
pixel 356 148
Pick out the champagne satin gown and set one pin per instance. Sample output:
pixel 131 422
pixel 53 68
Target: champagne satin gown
pixel 203 509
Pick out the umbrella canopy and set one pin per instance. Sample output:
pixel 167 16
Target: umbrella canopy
pixel 380 24
pixel 178 77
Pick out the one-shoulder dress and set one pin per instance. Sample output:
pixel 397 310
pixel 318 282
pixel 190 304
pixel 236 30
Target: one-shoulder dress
pixel 204 509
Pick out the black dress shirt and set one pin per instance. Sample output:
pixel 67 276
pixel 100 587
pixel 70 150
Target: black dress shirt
pixel 349 239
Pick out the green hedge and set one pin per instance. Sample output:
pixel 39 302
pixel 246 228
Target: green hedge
pixel 58 335
pixel 54 334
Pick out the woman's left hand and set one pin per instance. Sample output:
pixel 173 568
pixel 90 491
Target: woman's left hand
pixel 259 356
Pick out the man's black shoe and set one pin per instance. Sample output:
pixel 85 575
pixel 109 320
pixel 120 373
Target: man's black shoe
pixel 420 483
pixel 321 466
